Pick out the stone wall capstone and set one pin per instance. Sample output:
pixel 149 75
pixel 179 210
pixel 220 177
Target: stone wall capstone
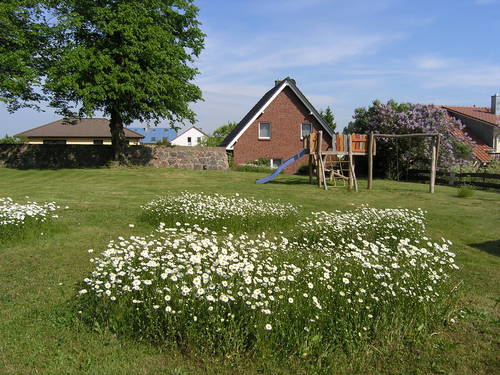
pixel 88 156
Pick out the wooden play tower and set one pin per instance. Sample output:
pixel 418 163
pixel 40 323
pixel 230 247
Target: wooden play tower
pixel 337 162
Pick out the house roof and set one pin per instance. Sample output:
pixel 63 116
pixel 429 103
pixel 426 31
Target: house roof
pixel 479 148
pixel 185 131
pixel 479 113
pixel 77 128
pixel 259 107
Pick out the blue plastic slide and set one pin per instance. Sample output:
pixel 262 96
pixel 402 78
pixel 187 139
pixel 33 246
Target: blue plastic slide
pixel 286 163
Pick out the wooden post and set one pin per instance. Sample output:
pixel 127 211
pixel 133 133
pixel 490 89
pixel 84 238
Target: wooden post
pixel 433 165
pixel 370 161
pixel 309 149
pixel 349 150
pixel 318 157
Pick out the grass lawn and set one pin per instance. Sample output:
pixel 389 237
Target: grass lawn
pixel 38 274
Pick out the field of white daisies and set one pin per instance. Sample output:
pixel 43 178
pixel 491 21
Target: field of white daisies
pixel 218 275
pixel 20 218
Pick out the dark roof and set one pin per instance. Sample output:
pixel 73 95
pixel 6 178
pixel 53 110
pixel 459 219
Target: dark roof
pixel 258 107
pixel 77 128
pixel 479 113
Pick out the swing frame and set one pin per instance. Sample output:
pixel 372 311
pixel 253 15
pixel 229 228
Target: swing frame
pixel 436 141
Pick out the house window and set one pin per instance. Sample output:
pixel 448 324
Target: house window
pixel 275 163
pixel 54 141
pixel 189 141
pixel 264 130
pixel 98 142
pixel 153 139
pixel 198 140
pixel 305 129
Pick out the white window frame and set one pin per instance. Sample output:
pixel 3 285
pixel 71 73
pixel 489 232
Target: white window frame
pixel 302 129
pixel 272 163
pixel 189 141
pixel 268 123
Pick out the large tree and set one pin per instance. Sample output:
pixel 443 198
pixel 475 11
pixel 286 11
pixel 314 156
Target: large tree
pixel 129 59
pixel 396 156
pixel 22 37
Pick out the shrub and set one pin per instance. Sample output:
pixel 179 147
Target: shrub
pixel 465 191
pixel 274 296
pixel 252 168
pixel 14 140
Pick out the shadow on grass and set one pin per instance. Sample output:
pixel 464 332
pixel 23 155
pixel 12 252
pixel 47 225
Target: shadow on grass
pixel 491 247
pixel 290 181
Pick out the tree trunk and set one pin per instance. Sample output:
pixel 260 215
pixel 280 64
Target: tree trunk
pixel 118 140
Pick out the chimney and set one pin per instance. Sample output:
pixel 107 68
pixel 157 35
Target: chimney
pixel 495 104
pixel 277 82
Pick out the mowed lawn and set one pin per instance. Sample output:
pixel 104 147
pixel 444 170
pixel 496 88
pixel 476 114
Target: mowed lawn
pixel 39 274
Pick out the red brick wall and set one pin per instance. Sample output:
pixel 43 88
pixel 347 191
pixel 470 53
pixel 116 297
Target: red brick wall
pixel 286 114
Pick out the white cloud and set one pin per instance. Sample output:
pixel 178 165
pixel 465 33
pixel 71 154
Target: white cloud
pixel 433 62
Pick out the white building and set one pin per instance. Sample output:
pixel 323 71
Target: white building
pixel 189 137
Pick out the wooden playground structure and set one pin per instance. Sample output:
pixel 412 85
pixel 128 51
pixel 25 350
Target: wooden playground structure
pixel 336 163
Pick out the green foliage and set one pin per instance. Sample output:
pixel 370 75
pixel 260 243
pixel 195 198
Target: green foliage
pixel 329 117
pixel 261 165
pixel 252 168
pixel 218 135
pixel 163 142
pixel 461 150
pixel 130 60
pixel 14 140
pixel 465 191
pixel 22 34
pixel 263 162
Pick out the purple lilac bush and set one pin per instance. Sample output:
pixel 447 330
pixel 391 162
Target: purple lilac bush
pixel 396 156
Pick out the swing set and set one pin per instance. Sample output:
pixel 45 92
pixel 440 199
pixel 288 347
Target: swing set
pixel 336 163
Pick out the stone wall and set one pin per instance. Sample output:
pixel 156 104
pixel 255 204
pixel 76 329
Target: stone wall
pixel 89 156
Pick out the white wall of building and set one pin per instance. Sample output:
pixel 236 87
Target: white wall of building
pixel 190 137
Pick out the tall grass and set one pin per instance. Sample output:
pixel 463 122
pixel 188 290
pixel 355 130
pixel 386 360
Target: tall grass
pixel 18 220
pixel 233 212
pixel 358 277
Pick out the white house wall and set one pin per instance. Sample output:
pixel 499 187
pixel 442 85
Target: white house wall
pixel 192 133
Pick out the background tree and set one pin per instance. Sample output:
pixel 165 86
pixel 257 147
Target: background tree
pixel 22 36
pixel 14 140
pixel 218 135
pixel 131 60
pixel 329 117
pixel 396 156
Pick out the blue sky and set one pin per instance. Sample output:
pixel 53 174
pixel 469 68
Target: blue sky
pixel 342 53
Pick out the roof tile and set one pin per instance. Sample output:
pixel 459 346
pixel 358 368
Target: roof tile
pixel 77 128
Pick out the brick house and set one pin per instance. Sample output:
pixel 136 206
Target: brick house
pixel 274 127
pixel 482 125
